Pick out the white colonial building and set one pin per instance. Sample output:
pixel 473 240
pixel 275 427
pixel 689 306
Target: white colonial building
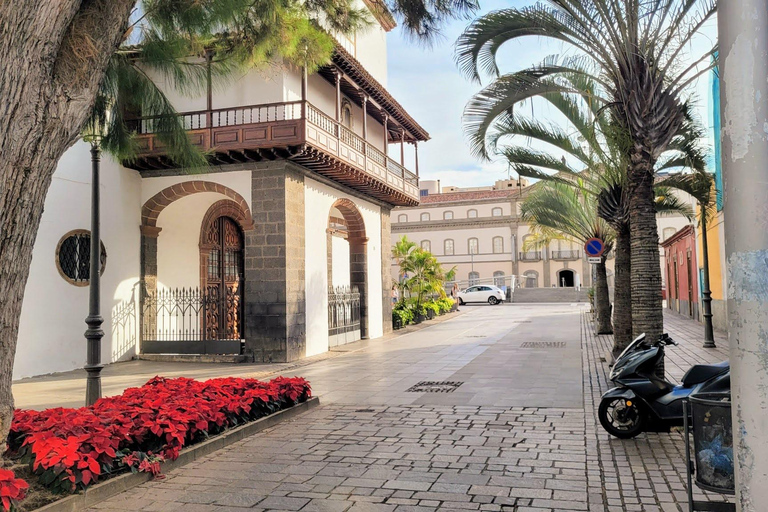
pixel 275 252
pixel 479 231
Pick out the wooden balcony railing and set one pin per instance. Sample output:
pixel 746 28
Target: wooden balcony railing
pixel 297 130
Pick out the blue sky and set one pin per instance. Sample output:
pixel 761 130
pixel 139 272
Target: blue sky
pixel 428 84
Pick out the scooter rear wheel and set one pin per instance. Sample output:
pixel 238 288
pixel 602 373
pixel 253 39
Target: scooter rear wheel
pixel 620 417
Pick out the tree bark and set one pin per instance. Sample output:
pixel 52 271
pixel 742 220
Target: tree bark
pixel 647 313
pixel 602 299
pixel 622 292
pixel 55 53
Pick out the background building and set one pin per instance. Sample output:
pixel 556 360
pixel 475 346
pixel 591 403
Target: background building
pixel 479 231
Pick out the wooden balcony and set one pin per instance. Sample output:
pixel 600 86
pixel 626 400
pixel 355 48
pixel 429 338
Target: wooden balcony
pixel 296 131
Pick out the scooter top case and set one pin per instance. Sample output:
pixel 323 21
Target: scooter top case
pixel 701 378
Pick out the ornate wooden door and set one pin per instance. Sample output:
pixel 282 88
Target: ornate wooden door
pixel 223 280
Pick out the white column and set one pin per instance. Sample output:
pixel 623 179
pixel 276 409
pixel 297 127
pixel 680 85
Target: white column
pixel 743 36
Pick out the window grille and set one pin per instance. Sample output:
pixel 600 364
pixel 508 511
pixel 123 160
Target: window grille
pixel 73 257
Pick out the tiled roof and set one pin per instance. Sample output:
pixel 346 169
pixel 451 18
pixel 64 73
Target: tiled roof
pixel 466 196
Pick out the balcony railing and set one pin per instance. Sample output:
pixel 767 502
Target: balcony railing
pixel 275 130
pixel 530 256
pixel 566 255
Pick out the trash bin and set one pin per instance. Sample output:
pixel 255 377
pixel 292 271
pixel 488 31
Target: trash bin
pixel 712 430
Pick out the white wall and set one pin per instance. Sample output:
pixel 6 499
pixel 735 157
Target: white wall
pixel 53 315
pixel 255 87
pixel 318 199
pixel 340 261
pixel 178 246
pixel 371 49
pixel 239 181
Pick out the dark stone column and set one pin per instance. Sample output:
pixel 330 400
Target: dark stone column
pixel 386 269
pixel 148 276
pixel 275 298
pixel 358 272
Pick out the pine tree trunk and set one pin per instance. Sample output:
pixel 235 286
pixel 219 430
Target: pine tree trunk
pixel 647 313
pixel 602 299
pixel 55 53
pixel 622 292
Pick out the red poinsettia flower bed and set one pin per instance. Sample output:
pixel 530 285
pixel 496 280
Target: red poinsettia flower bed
pixel 73 448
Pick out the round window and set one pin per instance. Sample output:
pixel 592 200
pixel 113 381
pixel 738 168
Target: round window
pixel 73 257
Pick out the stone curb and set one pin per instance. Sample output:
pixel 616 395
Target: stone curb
pixel 113 486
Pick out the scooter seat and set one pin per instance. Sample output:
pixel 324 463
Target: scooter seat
pixel 703 372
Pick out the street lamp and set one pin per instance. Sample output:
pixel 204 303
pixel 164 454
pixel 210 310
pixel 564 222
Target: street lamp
pixel 94 134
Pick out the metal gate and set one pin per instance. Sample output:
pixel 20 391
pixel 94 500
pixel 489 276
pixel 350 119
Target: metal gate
pixel 343 315
pixel 178 321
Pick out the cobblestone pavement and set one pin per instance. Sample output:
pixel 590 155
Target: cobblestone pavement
pixel 373 446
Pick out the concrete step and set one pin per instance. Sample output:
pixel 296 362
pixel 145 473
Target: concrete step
pixel 542 295
pixel 193 358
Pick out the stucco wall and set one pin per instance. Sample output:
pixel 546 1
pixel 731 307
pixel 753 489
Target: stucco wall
pixel 53 315
pixel 318 201
pixel 340 261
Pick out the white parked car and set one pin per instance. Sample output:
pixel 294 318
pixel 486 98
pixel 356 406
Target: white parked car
pixel 481 293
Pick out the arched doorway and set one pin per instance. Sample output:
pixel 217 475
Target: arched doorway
pixel 222 276
pixel 566 278
pixel 531 279
pixel 347 274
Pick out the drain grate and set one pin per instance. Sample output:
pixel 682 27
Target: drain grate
pixel 428 386
pixel 543 344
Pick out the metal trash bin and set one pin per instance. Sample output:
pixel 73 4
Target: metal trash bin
pixel 712 429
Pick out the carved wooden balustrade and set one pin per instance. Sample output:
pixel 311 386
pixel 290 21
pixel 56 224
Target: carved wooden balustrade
pixel 294 130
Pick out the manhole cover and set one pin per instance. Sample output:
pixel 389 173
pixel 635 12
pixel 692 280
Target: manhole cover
pixel 364 410
pixel 472 336
pixel 434 387
pixel 543 344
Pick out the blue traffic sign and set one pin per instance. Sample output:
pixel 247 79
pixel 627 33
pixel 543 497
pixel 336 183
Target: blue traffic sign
pixel 594 247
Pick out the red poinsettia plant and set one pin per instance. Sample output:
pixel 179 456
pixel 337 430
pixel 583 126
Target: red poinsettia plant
pixel 12 489
pixel 73 448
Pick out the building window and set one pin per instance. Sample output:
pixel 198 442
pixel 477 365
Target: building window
pixel 426 245
pixel 496 212
pixel 346 113
pixel 73 257
pixel 474 278
pixel 472 214
pixel 402 218
pixel 448 247
pixel 473 245
pixel 423 192
pixel 447 215
pixel 668 232
pixel 498 245
pixel 531 279
pixel 424 217
pixel 498 278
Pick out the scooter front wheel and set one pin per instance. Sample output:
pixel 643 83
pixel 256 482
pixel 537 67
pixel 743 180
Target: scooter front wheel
pixel 620 417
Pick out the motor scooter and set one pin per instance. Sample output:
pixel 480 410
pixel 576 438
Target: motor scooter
pixel 644 402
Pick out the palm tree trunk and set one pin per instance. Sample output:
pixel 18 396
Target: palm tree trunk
pixel 647 313
pixel 602 300
pixel 622 292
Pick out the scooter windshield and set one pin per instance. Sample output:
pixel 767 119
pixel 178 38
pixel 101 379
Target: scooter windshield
pixel 631 347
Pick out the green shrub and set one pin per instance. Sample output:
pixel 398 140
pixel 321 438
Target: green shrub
pixel 445 304
pixel 433 306
pixel 402 316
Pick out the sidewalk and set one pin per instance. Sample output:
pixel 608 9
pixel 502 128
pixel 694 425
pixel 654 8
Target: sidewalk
pixel 646 473
pixel 519 434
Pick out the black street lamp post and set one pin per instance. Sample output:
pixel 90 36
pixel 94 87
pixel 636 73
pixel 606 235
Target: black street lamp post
pixel 94 333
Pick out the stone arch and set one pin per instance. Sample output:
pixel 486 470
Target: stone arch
pixel 151 210
pixel 226 208
pixel 353 230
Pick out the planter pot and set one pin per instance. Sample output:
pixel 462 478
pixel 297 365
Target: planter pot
pixel 397 323
pixel 419 318
pixel 430 314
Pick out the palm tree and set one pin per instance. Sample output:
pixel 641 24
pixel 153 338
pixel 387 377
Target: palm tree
pixel 596 151
pixel 400 253
pixel 558 210
pixel 632 50
pixel 426 275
